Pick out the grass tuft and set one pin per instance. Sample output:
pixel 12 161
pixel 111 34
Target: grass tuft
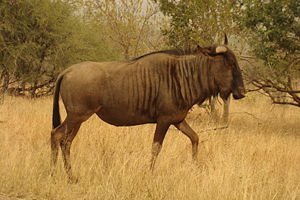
pixel 256 157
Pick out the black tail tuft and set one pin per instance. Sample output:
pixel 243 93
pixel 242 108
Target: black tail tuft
pixel 56 121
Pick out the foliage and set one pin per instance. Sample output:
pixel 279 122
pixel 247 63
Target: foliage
pixel 270 27
pixel 41 37
pixel 129 24
pixel 198 21
pixel 275 29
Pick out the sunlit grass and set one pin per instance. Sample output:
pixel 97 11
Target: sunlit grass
pixel 257 157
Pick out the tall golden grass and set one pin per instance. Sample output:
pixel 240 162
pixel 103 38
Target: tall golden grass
pixel 257 157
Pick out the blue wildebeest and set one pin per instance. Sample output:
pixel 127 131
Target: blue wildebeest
pixel 159 87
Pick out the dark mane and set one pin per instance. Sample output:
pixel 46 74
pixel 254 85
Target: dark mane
pixel 177 52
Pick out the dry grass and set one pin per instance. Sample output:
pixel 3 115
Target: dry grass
pixel 257 157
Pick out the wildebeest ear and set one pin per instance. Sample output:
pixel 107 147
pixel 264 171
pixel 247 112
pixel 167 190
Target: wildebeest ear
pixel 225 40
pixel 203 50
pixel 198 48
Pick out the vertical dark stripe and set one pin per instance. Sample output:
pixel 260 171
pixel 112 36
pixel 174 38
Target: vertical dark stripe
pixel 186 79
pixel 168 74
pixel 199 78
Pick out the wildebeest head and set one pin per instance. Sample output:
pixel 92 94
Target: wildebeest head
pixel 228 76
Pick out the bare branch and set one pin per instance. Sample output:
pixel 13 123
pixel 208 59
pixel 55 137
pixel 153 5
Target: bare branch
pixel 250 114
pixel 213 129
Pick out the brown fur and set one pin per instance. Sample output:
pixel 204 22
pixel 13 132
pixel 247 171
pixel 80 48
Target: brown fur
pixel 156 88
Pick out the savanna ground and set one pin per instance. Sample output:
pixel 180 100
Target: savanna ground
pixel 257 157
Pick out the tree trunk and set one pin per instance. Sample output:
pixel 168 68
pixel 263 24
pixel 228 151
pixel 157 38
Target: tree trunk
pixel 4 80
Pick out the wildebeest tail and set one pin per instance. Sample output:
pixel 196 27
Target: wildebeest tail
pixel 56 121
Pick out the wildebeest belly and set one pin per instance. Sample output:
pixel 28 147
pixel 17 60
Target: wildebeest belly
pixel 123 117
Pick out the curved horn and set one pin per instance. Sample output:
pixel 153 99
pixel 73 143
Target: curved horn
pixel 225 40
pixel 221 49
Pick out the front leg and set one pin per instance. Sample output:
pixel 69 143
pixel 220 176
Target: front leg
pixel 226 110
pixel 159 135
pixel 213 111
pixel 190 133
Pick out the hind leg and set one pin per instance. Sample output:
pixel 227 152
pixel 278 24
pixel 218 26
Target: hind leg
pixel 63 136
pixel 65 144
pixel 57 135
pixel 73 123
